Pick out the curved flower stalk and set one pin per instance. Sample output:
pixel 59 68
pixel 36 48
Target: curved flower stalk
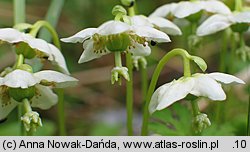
pixel 205 85
pixel 31 89
pixel 187 8
pixel 32 47
pixel 116 37
pixel 199 84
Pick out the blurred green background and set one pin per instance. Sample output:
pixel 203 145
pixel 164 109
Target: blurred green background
pixel 95 107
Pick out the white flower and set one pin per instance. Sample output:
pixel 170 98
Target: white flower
pixel 187 8
pixel 205 85
pixel 158 22
pixel 44 97
pixel 96 40
pixel 42 48
pixel 220 22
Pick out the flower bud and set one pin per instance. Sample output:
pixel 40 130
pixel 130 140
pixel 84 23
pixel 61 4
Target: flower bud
pixel 201 122
pixel 117 72
pixel 117 42
pixel 31 121
pixel 19 94
pixel 25 50
pixel 128 3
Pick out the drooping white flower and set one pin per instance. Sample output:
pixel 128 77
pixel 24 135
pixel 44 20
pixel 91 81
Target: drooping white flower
pixel 42 48
pixel 157 22
pixel 220 22
pixel 186 8
pixel 42 81
pixel 201 85
pixel 97 41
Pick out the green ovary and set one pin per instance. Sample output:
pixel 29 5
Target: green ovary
pixel 240 27
pixel 25 50
pixel 19 94
pixel 117 42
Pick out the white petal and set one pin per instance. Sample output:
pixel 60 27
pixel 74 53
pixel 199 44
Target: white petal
pixel 37 44
pixel 58 59
pixel 80 36
pixel 20 79
pixel 89 52
pixel 6 109
pixel 225 78
pixel 140 50
pixel 214 6
pixel 45 99
pixel 151 34
pixel 60 80
pixel 207 87
pixel 154 102
pixel 214 24
pixel 185 9
pixel 164 10
pixel 177 91
pixel 113 27
pixel 140 20
pixel 169 93
pixel 243 17
pixel 165 25
pixel 10 35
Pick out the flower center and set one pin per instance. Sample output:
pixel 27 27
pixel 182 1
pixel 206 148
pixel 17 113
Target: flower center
pixel 118 42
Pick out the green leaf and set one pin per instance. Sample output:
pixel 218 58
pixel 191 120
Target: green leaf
pixel 174 121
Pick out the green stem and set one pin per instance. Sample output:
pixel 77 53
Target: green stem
pixel 27 107
pixel 193 30
pixel 223 52
pixel 129 95
pixel 20 61
pixel 19 11
pixel 118 59
pixel 39 24
pixel 52 17
pixel 238 5
pixel 144 84
pixel 61 112
pixel 195 108
pixel 242 41
pixel 232 52
pixel 19 17
pixel 163 61
pixel 129 87
pixel 220 107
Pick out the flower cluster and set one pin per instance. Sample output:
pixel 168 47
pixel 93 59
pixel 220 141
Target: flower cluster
pixel 20 85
